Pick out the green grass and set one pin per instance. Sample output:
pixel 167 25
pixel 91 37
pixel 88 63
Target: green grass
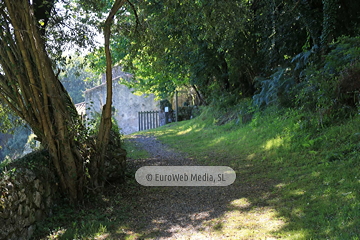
pixel 309 177
pixel 315 170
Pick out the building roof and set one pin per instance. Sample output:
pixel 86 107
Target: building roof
pixel 81 108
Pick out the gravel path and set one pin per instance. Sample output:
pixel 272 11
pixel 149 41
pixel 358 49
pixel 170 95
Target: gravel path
pixel 181 212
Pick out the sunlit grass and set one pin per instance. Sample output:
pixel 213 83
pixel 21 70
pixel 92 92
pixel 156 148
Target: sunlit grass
pixel 316 194
pixel 255 223
pixel 308 180
pixel 273 143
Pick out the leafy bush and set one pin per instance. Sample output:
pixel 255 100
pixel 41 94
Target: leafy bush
pixel 349 85
pixel 188 112
pixel 94 123
pixel 330 91
pixel 303 60
pixel 224 102
pixel 345 53
pixel 274 90
pixel 344 63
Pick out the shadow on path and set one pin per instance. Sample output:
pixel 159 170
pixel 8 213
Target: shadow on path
pixel 195 212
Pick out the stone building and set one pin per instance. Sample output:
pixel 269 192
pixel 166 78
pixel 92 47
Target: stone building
pixel 126 104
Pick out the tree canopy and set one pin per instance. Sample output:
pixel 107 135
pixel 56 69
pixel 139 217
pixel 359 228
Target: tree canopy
pixel 226 48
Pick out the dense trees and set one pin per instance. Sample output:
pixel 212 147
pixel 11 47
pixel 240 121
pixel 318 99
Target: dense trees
pixel 233 48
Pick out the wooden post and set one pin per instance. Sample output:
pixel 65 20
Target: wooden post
pixel 157 118
pixel 176 106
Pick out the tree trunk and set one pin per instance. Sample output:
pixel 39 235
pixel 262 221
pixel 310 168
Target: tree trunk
pixel 330 8
pixel 30 87
pixel 105 123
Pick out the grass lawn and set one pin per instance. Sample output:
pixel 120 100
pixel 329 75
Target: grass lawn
pixel 315 172
pixel 310 176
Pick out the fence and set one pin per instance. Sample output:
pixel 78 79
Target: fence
pixel 148 120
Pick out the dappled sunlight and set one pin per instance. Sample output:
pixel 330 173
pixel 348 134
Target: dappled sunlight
pixel 273 143
pixel 241 203
pixel 280 191
pixel 200 216
pixel 218 140
pixel 298 212
pixel 297 192
pixel 251 156
pixel 185 131
pixel 77 231
pixel 281 185
pixel 247 222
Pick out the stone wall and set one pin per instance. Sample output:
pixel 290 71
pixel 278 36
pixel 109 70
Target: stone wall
pixel 26 195
pixel 126 104
pixel 29 189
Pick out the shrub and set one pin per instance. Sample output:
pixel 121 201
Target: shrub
pixel 275 90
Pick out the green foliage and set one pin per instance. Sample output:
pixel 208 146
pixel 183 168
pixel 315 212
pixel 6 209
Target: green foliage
pixel 169 44
pixel 99 216
pixel 164 52
pixel 331 89
pixel 305 59
pixel 8 121
pixel 274 90
pixel 78 77
pixel 93 124
pixel 69 29
pixel 317 89
pixel 36 161
pixel 345 52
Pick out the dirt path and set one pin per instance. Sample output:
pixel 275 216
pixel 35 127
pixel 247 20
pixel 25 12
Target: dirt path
pixel 238 211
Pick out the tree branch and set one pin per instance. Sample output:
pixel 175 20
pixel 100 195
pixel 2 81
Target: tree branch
pixel 135 13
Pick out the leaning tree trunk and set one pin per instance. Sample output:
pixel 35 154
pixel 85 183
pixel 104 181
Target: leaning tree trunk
pixel 31 88
pixel 103 137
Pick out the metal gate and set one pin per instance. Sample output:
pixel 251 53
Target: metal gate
pixel 148 120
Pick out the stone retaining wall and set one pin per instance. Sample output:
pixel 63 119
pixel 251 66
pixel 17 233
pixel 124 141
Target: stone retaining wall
pixel 28 189
pixel 26 196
